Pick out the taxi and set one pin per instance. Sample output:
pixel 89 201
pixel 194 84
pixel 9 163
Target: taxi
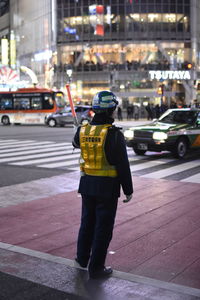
pixel 177 131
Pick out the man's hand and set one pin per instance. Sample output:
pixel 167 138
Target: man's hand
pixel 128 198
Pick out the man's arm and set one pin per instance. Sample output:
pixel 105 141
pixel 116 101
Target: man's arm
pixel 76 140
pixel 116 154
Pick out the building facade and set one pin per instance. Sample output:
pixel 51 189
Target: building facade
pixel 143 50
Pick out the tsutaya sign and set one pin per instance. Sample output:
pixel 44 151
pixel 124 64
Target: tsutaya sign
pixel 164 75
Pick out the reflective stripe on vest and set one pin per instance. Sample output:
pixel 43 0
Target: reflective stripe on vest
pixel 93 157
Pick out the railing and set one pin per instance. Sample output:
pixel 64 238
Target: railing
pixel 131 35
pixel 112 66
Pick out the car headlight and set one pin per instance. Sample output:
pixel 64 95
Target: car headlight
pixel 159 135
pixel 129 134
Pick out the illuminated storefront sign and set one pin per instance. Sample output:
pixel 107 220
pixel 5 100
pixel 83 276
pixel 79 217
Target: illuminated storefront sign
pixel 70 30
pixel 165 75
pixel 44 55
pixel 79 88
pixel 8 77
pixel 30 73
pixel 4 51
pixel 96 13
pixel 12 50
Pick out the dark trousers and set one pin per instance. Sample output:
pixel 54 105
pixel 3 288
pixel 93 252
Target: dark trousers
pixel 95 233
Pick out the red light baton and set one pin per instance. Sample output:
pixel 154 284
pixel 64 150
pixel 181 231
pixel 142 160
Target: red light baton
pixel 72 105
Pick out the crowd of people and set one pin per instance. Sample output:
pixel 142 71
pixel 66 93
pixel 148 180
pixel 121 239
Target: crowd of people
pixel 150 111
pixel 132 112
pixel 155 111
pixel 113 65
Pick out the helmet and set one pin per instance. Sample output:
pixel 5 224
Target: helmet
pixel 103 101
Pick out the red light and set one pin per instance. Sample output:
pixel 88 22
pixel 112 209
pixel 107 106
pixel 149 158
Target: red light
pixel 159 91
pixel 91 113
pixel 100 9
pixel 189 66
pixel 99 30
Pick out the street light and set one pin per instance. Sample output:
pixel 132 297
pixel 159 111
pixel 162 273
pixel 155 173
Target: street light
pixel 69 74
pixel 160 91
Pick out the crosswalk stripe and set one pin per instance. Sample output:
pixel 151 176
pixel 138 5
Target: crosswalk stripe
pixel 142 164
pixel 7 141
pixel 63 158
pixel 73 168
pixel 16 144
pixel 195 178
pixel 149 164
pixel 50 155
pixel 72 163
pixel 38 157
pixel 41 148
pixel 25 157
pixel 55 158
pixel 15 148
pixel 173 170
pixel 59 164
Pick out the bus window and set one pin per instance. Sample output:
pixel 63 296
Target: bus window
pixel 36 103
pixel 48 102
pixel 21 103
pixel 60 101
pixel 6 102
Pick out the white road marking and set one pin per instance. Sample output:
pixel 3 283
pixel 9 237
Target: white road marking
pixel 173 170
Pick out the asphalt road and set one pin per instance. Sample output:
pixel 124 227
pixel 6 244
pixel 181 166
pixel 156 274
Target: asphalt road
pixel 19 174
pixel 12 174
pixel 39 133
pixel 38 161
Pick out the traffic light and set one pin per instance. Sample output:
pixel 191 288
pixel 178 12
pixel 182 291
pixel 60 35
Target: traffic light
pixel 188 66
pixel 160 89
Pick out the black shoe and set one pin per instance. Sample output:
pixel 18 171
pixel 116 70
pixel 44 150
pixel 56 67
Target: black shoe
pixel 106 272
pixel 83 265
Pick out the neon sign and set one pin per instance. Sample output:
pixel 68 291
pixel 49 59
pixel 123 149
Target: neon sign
pixel 164 75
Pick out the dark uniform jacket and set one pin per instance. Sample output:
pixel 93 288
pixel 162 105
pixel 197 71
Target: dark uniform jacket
pixel 116 154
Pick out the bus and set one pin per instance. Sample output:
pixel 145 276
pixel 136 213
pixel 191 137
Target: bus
pixel 29 105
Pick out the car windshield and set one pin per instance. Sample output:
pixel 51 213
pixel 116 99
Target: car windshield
pixel 178 117
pixel 66 109
pixel 60 101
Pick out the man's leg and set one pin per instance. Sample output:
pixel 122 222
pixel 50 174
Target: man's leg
pixel 105 218
pixel 86 231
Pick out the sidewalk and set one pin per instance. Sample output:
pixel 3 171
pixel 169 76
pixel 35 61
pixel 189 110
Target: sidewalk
pixel 31 275
pixel 155 250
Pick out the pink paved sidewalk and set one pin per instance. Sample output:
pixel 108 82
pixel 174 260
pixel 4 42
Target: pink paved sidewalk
pixel 156 235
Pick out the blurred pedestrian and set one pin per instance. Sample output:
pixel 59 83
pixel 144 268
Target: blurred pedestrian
pixel 136 112
pixel 104 168
pixel 149 112
pixel 128 110
pixel 119 113
pixel 131 111
pixel 163 108
pixel 157 111
pixel 173 105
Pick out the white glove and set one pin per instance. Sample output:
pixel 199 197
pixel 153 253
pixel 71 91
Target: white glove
pixel 128 198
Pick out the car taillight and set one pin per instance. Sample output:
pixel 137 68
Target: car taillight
pixel 90 113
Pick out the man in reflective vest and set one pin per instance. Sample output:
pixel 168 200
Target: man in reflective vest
pixel 104 168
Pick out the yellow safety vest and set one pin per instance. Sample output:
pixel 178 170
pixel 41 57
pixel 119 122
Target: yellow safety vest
pixel 92 141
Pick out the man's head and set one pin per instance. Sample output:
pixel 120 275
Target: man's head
pixel 104 102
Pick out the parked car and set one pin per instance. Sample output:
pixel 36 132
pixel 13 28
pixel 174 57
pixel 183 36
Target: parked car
pixel 62 117
pixel 177 131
